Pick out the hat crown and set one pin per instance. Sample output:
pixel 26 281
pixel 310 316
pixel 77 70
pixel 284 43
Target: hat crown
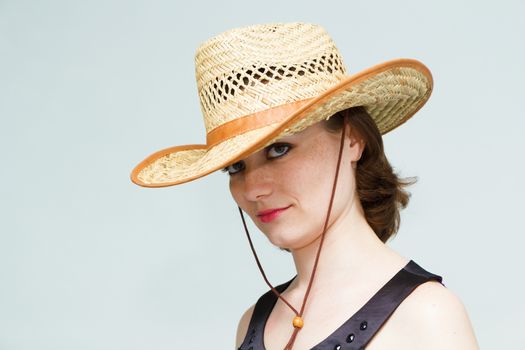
pixel 247 70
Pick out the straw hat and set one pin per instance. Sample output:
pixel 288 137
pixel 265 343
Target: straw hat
pixel 262 82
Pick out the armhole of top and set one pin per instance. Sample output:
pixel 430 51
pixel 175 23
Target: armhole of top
pixel 244 322
pixel 261 311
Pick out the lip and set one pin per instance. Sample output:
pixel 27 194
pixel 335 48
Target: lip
pixel 270 214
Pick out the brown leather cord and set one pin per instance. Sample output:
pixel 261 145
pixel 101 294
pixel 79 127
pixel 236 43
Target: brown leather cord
pixel 260 266
pixel 290 343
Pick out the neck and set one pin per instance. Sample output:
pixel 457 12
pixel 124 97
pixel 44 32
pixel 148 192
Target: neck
pixel 350 249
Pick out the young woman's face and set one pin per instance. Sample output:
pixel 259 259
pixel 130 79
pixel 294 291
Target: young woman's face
pixel 286 187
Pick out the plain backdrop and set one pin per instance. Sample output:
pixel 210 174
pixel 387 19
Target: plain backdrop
pixel 88 89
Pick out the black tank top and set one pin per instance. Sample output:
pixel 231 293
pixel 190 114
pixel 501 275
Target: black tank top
pixel 359 329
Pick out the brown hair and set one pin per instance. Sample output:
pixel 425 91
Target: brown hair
pixel 379 188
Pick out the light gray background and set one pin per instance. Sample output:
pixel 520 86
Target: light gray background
pixel 89 88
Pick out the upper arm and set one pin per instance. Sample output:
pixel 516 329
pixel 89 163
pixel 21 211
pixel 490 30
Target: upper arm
pixel 242 328
pixel 441 320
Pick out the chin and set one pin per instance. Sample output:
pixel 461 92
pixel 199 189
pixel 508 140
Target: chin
pixel 288 239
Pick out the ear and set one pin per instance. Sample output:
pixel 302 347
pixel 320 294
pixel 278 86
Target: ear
pixel 356 143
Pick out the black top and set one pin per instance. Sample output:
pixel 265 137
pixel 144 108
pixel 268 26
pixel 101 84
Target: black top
pixel 359 329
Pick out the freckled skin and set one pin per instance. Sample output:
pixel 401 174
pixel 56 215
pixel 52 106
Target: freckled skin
pixel 354 263
pixel 302 178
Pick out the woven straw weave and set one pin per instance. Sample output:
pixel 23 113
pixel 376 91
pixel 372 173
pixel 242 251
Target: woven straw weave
pixel 247 70
pixel 252 69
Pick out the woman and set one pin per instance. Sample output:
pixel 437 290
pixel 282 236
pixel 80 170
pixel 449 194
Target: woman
pixel 301 141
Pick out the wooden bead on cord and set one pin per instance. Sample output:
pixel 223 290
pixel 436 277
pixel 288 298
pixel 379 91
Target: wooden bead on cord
pixel 298 322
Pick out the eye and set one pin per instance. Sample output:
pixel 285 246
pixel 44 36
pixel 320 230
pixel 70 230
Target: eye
pixel 277 150
pixel 234 168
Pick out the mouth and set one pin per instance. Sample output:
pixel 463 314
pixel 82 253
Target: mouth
pixel 270 214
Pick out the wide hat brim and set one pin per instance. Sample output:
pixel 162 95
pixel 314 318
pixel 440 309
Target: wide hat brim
pixel 391 92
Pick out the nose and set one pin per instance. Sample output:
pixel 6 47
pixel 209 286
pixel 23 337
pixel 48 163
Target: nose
pixel 257 183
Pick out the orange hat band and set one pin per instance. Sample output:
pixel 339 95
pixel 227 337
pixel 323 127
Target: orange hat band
pixel 253 121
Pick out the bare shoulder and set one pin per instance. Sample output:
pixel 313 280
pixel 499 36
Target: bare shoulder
pixel 438 318
pixel 242 328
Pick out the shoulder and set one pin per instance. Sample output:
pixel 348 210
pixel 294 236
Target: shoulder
pixel 242 328
pixel 438 317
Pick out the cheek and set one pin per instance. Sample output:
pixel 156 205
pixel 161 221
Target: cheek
pixel 315 180
pixel 309 184
pixel 316 171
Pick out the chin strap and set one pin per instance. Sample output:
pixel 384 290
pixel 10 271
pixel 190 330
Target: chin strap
pixel 298 320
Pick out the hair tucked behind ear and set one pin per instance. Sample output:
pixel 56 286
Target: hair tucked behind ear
pixel 380 190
